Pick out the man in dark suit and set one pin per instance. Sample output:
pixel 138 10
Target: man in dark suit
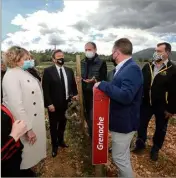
pixel 125 92
pixel 159 98
pixel 59 87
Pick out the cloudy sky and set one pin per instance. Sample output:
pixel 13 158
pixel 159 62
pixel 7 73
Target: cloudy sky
pixel 41 24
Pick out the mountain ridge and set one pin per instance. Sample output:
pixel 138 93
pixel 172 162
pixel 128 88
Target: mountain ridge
pixel 148 54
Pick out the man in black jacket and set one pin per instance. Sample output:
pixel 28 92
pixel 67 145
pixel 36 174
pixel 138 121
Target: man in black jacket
pixel 159 98
pixel 92 69
pixel 59 87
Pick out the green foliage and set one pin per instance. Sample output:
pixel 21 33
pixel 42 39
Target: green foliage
pixel 43 58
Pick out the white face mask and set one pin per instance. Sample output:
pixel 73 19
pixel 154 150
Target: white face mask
pixel 157 57
pixel 89 54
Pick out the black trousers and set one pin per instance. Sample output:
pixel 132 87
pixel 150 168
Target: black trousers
pixel 57 122
pixel 160 121
pixel 88 104
pixel 11 167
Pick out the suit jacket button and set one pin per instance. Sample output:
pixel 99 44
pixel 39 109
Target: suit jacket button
pixel 32 92
pixel 35 115
pixel 34 103
pixel 28 80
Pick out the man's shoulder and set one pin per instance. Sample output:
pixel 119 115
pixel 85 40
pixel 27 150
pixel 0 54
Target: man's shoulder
pixel 173 67
pixel 132 64
pixel 173 64
pixel 98 58
pixel 131 69
pixel 68 69
pixel 49 68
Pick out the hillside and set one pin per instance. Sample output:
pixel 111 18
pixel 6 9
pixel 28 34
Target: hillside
pixel 148 53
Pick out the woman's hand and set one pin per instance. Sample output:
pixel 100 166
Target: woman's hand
pixel 19 128
pixel 31 137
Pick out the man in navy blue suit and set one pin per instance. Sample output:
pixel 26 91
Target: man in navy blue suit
pixel 125 92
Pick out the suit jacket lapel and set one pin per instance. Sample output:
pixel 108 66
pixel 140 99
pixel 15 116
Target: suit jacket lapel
pixel 56 74
pixel 67 74
pixel 165 67
pixel 68 78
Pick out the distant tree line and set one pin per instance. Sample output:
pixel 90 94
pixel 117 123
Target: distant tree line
pixel 45 56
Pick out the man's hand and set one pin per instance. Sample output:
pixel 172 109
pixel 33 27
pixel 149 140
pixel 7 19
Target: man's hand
pixel 78 79
pixel 97 84
pixel 89 80
pixel 19 128
pixel 75 97
pixel 31 137
pixel 168 115
pixel 51 108
pixel 174 116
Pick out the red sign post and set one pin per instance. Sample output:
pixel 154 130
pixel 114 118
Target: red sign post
pixel 100 127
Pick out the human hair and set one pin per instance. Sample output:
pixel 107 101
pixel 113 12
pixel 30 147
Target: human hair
pixel 13 55
pixel 56 51
pixel 93 44
pixel 124 45
pixel 168 47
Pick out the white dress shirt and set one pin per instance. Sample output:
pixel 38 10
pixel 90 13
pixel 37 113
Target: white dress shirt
pixel 118 67
pixel 65 79
pixel 157 69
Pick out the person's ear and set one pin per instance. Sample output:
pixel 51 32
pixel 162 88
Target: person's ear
pixel 52 59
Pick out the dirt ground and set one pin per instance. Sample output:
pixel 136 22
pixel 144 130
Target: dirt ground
pixel 75 161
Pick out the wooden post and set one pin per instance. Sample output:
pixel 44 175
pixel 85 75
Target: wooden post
pixel 100 170
pixel 78 74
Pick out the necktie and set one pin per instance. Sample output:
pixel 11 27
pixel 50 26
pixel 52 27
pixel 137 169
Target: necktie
pixel 62 82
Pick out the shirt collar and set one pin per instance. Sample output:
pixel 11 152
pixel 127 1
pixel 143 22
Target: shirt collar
pixel 121 64
pixel 165 62
pixel 58 67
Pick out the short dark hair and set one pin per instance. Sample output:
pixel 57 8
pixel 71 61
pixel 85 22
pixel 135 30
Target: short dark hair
pixel 168 47
pixel 93 44
pixel 124 45
pixel 56 51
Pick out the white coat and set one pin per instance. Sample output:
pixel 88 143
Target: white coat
pixel 22 95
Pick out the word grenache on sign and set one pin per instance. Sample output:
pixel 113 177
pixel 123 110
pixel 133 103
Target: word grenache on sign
pixel 100 127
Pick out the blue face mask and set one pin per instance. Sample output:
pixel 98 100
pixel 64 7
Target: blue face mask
pixel 32 63
pixel 26 65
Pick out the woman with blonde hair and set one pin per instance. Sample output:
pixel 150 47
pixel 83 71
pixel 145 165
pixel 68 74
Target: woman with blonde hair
pixel 22 95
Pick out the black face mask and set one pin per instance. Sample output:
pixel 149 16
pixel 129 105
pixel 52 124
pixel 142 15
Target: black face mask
pixel 113 61
pixel 60 61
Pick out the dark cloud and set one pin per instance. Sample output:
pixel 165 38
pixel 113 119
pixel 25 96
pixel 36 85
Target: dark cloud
pixel 9 43
pixel 155 16
pixel 110 37
pixel 24 44
pixel 54 39
pixel 82 26
pixel 43 25
pixel 45 30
